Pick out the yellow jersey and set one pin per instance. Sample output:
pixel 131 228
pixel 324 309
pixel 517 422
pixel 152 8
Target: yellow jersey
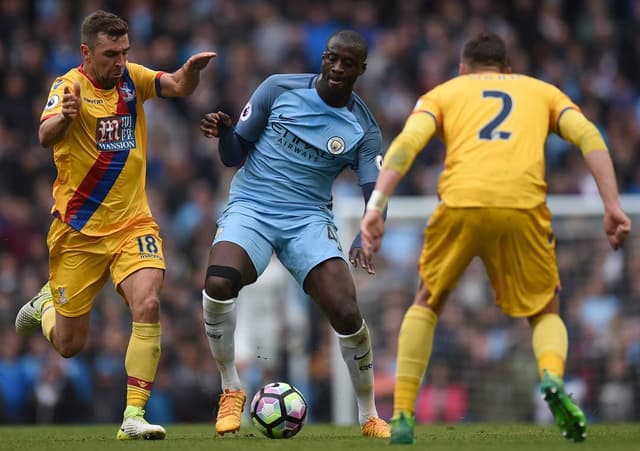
pixel 101 161
pixel 494 127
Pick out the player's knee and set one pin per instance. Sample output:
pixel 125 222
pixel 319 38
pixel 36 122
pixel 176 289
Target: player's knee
pixel 68 348
pixel 145 309
pixel 68 351
pixel 222 282
pixel 348 320
pixel 150 307
pixel 423 295
pixel 425 298
pixel 218 288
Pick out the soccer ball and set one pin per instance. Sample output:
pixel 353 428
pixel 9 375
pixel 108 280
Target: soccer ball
pixel 278 410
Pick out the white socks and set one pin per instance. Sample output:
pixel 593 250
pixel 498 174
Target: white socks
pixel 220 326
pixel 356 352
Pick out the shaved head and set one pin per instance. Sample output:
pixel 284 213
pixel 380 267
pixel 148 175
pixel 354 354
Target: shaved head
pixel 350 38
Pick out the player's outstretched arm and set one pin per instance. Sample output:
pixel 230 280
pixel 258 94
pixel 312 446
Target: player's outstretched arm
pixel 357 256
pixel 184 81
pixel 576 128
pixel 372 225
pixel 417 131
pixel 617 224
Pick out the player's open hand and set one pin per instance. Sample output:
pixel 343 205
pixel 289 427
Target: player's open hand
pixel 371 232
pixel 71 102
pixel 199 61
pixel 213 124
pixel 617 225
pixel 357 257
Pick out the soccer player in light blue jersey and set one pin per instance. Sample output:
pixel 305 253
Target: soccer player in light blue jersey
pixel 293 138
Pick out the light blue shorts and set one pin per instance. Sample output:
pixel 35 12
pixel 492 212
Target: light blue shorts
pixel 301 242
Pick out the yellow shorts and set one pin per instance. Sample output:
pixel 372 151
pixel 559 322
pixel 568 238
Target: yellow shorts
pixel 79 265
pixel 516 246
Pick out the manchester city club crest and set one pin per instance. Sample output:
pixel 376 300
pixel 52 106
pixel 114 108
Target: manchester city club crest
pixel 335 145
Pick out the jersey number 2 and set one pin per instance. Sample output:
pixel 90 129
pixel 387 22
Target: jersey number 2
pixel 489 131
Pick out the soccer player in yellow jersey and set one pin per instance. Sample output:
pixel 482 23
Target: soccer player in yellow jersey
pixel 494 125
pixel 94 120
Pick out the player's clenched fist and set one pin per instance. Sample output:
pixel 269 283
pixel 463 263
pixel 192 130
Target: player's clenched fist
pixel 213 124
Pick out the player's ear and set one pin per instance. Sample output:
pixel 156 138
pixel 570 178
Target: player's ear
pixel 85 51
pixel 363 68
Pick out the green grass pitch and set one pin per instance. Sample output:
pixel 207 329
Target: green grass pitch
pixel 201 437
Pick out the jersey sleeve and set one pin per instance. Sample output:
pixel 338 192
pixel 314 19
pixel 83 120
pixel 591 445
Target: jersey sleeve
pixel 369 156
pixel 429 103
pixel 54 100
pixel 255 114
pixel 560 102
pixel 417 131
pixel 577 129
pixel 147 81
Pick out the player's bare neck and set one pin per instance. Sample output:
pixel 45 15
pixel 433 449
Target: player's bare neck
pixel 333 98
pixel 485 70
pixel 100 84
pixel 334 101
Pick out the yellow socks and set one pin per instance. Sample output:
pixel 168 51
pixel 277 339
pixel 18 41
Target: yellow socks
pixel 550 343
pixel 141 362
pixel 414 350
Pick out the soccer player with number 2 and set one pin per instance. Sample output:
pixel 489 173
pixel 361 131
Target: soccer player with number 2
pixel 94 120
pixel 494 125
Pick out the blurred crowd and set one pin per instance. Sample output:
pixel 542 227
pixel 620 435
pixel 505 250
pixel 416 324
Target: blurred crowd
pixel 483 368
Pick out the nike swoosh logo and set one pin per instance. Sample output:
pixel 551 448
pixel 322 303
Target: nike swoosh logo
pixel 360 357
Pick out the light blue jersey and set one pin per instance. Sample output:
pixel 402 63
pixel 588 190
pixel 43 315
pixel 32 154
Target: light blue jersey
pixel 280 199
pixel 301 145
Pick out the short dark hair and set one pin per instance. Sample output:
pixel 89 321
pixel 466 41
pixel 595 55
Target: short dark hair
pixel 353 39
pixel 102 22
pixel 487 49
